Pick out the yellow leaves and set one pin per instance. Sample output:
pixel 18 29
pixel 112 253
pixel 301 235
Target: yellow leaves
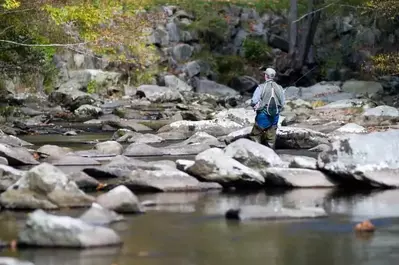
pixel 385 64
pixel 11 4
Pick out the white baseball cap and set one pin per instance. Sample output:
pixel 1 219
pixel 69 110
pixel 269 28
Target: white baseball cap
pixel 270 72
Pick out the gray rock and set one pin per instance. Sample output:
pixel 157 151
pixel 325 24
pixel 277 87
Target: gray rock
pixel 211 87
pixel 183 164
pixel 244 84
pixel 17 155
pixel 109 147
pixel 192 69
pixel 362 87
pixel 120 199
pixel 159 94
pixel 84 181
pixel 88 111
pixel 71 98
pixel 173 31
pixel 98 215
pixel 216 127
pixel 260 212
pixel 244 117
pixel 351 128
pixel 71 160
pixel 363 159
pixel 3 161
pixel 46 230
pixel 303 162
pixel 174 82
pixel 46 187
pixel 134 137
pixel 129 125
pixel 54 150
pixel 346 103
pixel 13 140
pixel 8 176
pixel 299 138
pixel 213 165
pixel 297 178
pixel 382 111
pixel 252 154
pixel 182 52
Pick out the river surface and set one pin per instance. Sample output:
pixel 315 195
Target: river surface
pixel 190 229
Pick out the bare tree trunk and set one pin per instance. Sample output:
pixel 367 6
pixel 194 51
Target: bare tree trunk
pixel 306 42
pixel 293 15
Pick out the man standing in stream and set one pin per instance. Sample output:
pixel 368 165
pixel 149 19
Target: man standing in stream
pixel 268 101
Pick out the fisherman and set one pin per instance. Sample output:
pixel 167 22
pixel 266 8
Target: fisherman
pixel 268 101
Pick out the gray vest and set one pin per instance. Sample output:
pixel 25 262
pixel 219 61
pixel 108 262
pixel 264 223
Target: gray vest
pixel 269 89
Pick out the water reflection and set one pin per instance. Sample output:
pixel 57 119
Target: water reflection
pixel 169 233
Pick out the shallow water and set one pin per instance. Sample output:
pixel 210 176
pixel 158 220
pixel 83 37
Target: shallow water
pixel 188 228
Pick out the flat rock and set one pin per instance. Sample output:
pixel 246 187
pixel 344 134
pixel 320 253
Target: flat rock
pixel 14 261
pixel 45 230
pixel 299 138
pixel 8 176
pixel 303 162
pixel 214 166
pixel 363 159
pixel 259 212
pixel 17 156
pixel 296 178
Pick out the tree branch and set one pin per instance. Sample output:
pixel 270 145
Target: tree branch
pixel 44 45
pixel 315 11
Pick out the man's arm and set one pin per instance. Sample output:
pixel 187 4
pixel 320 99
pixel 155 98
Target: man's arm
pixel 256 96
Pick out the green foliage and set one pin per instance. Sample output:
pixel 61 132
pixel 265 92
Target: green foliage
pixel 92 87
pixel 256 50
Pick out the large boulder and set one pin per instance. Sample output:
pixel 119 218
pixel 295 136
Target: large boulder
pixel 8 176
pixel 159 94
pixel 252 154
pixel 363 159
pixel 362 87
pixel 244 117
pixel 216 127
pixel 71 98
pixel 211 87
pixel 45 187
pixel 299 138
pixel 213 165
pixel 45 230
pixel 120 199
pixel 109 147
pixel 296 178
pixel 174 82
pixel 98 215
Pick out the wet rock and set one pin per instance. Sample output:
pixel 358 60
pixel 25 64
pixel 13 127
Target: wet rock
pixel 13 261
pixel 70 133
pixel 120 199
pixel 8 176
pixel 46 187
pixel 213 165
pixel 84 181
pixel 98 215
pixel 252 154
pixel 321 148
pixel 299 138
pixel 159 94
pixel 88 111
pixel 296 178
pixel 303 162
pixel 259 212
pixel 109 147
pixel 17 155
pixel 215 127
pixel 239 134
pixel 46 230
pixel 363 159
pixel 54 150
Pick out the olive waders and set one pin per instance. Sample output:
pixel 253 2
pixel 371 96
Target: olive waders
pixel 265 136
